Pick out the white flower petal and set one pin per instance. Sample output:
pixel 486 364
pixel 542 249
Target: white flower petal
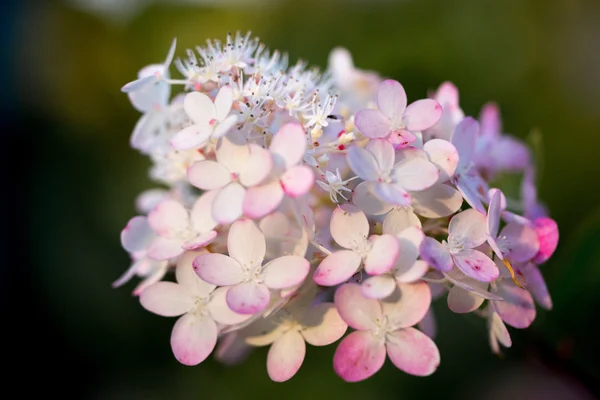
pixel 167 299
pixel 246 243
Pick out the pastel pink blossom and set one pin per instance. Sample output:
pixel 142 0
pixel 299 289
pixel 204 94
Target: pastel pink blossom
pixel 384 327
pixel 250 281
pixel 350 229
pixel 393 120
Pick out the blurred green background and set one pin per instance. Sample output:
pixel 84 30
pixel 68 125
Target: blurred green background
pixel 75 178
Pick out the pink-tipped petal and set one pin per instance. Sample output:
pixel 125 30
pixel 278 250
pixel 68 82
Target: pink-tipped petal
pixel 408 305
pixel 246 243
pixel 444 156
pixel 391 98
pixel 469 228
pixel 415 174
pixel 380 258
pixel 490 120
pixel 372 123
pixel 437 201
pixel 413 352
pixel 349 226
pixel 378 287
pixel 286 356
pixel 358 311
pixel 200 241
pixel 218 269
pixel 337 268
pixel 399 219
pixel 167 299
pixel 476 265
pixel 366 200
pixel 383 152
pixel 256 167
pixel 435 254
pixel 393 194
pixel 208 175
pixel 168 218
pixel 297 181
pixel 422 114
pixel 447 95
pixel 137 235
pixel 547 232
pixel 227 205
pixel 323 325
pixel 191 137
pixel 517 309
pixel 359 356
pixel 461 301
pixel 363 163
pixel 220 311
pixel 263 200
pixel 289 144
pixel 193 338
pixel 248 298
pixel 285 272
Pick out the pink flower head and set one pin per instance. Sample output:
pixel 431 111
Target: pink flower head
pixel 289 177
pixel 387 180
pixel 466 231
pixel 237 168
pixel 395 121
pixel 243 270
pixel 211 120
pixel 350 229
pixel 384 327
pixel 202 308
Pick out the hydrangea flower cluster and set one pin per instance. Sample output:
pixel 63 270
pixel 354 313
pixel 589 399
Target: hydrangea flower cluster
pixel 298 204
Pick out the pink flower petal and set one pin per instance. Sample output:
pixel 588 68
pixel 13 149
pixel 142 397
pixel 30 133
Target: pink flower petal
pixel 137 235
pixel 223 102
pixel 191 137
pixel 208 175
pixel 193 338
pixel 517 309
pixel 232 155
pixel 393 194
pixel 437 201
pixel 337 268
pixel 201 214
pixel 415 174
pixel 227 205
pixel 521 240
pixel 408 305
pixel 285 272
pixel 461 301
pixel 349 226
pixel 494 212
pixel 359 356
pixel 248 298
pixel 297 181
pixel 380 258
pixel 411 273
pixel 200 241
pixel 168 218
pixel 468 188
pixel 447 95
pixel 498 333
pixel 163 248
pixel 262 200
pixel 399 219
pixel 167 299
pixel 246 244
pixel 490 120
pixel 322 325
pixel 378 287
pixel 413 352
pixel 257 166
pixel 422 114
pixel 362 163
pixel 476 265
pixel 286 356
pixel 469 228
pixel 547 232
pixel 409 242
pixel 220 311
pixel 358 311
pixel 372 123
pixel 391 98
pixel 187 277
pixel 365 199
pixel 218 269
pixel 435 254
pixel 537 286
pixel 444 156
pixel 289 144
pixel 464 139
pixel 199 107
pixel 383 152
pixel 401 138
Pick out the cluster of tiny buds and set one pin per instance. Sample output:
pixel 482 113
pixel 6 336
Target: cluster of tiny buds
pixel 297 205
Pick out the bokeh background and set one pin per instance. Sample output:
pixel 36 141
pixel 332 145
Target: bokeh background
pixel 72 181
